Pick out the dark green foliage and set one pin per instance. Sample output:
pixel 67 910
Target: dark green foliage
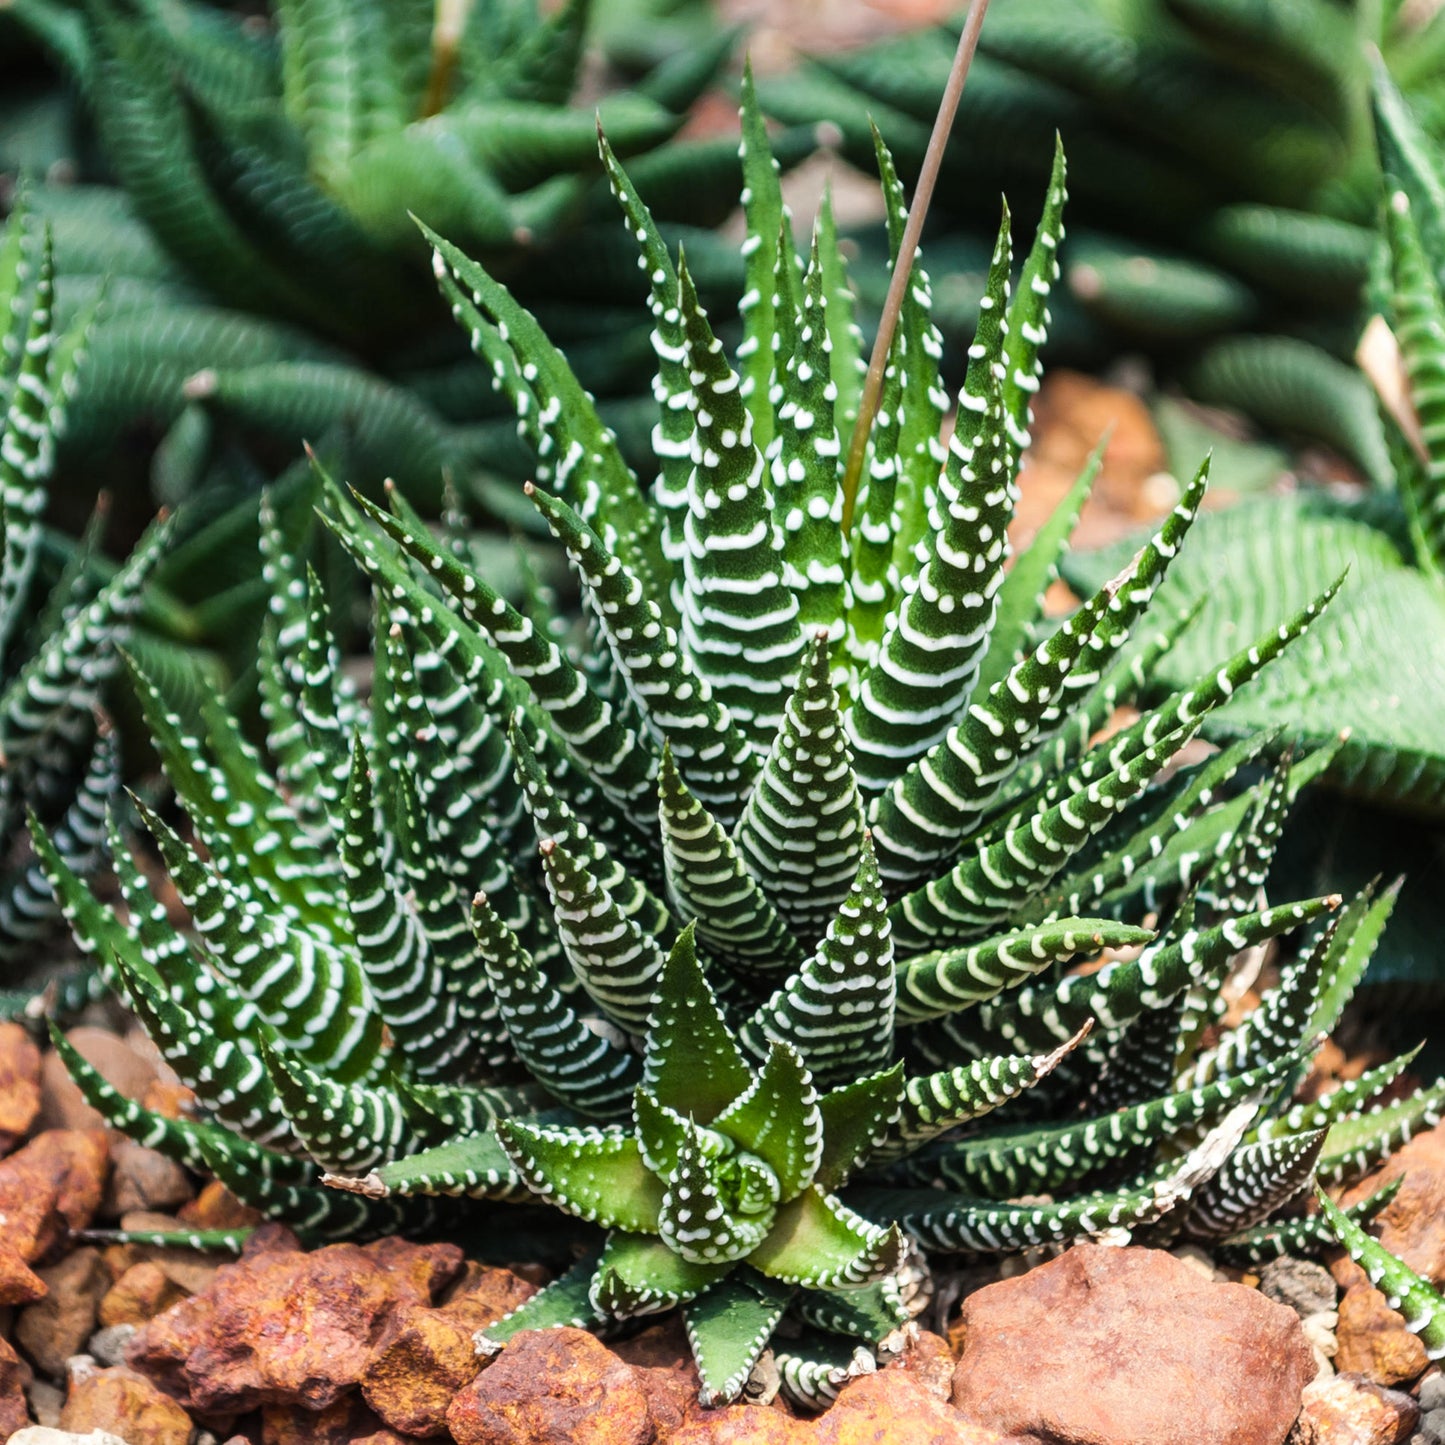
pixel 59 759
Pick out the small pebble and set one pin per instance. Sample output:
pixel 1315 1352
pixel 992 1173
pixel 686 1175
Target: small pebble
pixel 108 1345
pixel 1307 1288
pixel 46 1402
pixel 1432 1392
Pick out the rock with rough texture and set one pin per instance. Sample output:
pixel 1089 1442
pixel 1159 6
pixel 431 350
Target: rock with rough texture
pixel 892 1407
pixel 1350 1410
pixel 1371 1338
pixel 189 1269
pixel 346 1422
pixel 1109 1346
pixel 929 1360
pixel 1307 1288
pixel 144 1291
pixel 281 1327
pixel 51 1185
pixel 62 1106
pixel 428 1353
pixel 19 1084
pixel 53 1329
pixel 126 1404
pixel 14 1377
pixel 546 1386
pixel 143 1178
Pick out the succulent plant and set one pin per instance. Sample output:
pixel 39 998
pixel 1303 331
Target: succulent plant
pixel 248 187
pixel 1224 186
pixel 57 651
pixel 1350 675
pixel 819 837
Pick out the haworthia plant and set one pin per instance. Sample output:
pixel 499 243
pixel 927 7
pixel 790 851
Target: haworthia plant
pixel 58 760
pixel 721 913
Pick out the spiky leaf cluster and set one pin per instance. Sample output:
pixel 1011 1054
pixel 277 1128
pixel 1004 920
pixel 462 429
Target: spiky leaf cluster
pixel 57 651
pixel 251 213
pixel 720 911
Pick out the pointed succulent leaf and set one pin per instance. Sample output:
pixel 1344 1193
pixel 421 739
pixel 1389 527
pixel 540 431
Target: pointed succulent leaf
pixel 857 1117
pixel 596 1174
pixel 639 1275
pixel 837 1011
pixel 693 1062
pixel 710 885
pixel 728 1326
pixel 948 980
pixel 818 1242
pixel 802 830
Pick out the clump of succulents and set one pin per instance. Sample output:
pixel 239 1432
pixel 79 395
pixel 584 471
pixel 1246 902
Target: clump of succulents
pixel 249 215
pixel 1224 179
pixel 721 912
pixel 1352 674
pixel 57 651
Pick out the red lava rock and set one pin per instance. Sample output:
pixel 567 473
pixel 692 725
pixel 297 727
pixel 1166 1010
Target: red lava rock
pixel 126 1404
pixel 1412 1224
pixel 1350 1410
pixel 930 1361
pixel 346 1422
pixel 19 1084
pixel 143 1178
pixel 14 1376
pixel 547 1386
pixel 1371 1338
pixel 280 1327
pixel 428 1354
pixel 662 1363
pixel 1109 1346
pixel 62 1106
pixel 144 1291
pixel 53 1329
pixel 891 1407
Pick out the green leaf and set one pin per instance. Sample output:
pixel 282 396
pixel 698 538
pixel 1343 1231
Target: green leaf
pixel 596 1174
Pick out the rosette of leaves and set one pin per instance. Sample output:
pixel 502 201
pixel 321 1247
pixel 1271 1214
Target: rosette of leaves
pixel 1224 179
pixel 248 184
pixel 57 651
pixel 779 854
pixel 1353 674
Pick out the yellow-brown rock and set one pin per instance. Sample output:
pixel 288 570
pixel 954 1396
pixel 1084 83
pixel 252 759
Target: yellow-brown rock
pixel 126 1404
pixel 1372 1339
pixel 19 1084
pixel 139 1295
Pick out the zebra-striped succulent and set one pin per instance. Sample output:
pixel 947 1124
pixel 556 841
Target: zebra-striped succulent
pixel 56 652
pixel 780 853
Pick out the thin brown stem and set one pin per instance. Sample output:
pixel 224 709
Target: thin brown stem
pixel 903 267
pixel 450 20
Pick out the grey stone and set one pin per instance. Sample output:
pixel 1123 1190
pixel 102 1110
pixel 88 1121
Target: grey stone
pixel 1432 1393
pixel 1306 1288
pixel 108 1345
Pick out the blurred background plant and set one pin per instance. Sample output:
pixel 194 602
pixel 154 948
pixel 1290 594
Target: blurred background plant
pixel 1224 182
